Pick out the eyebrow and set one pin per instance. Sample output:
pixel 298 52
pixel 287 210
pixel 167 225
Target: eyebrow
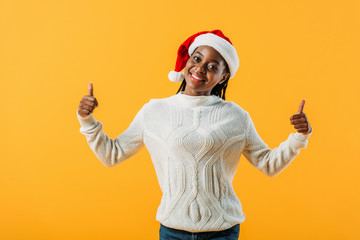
pixel 210 59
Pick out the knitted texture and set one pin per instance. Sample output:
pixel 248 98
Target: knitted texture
pixel 195 143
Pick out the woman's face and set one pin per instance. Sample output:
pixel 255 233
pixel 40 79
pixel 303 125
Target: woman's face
pixel 204 70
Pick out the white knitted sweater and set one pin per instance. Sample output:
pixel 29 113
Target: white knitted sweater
pixel 195 143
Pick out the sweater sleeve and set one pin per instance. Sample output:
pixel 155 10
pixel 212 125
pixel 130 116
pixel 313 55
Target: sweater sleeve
pixel 109 151
pixel 272 162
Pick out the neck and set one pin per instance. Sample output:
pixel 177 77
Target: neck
pixel 194 93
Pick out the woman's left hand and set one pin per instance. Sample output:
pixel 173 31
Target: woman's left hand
pixel 300 121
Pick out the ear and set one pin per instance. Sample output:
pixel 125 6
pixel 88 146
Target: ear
pixel 224 77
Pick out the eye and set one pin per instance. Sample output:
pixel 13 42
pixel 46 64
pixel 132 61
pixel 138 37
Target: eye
pixel 213 67
pixel 196 59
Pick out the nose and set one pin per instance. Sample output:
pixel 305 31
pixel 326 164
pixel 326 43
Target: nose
pixel 201 68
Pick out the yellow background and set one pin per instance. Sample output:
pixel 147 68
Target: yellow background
pixel 52 186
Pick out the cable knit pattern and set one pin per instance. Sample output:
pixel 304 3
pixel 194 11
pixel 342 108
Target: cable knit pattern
pixel 195 143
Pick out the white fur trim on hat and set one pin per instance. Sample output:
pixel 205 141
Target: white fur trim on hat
pixel 225 48
pixel 176 76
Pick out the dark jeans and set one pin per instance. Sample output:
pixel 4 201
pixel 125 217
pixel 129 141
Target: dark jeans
pixel 167 233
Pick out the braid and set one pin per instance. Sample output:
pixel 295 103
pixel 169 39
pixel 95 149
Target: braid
pixel 182 86
pixel 220 90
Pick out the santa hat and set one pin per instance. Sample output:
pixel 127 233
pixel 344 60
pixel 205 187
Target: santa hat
pixel 215 39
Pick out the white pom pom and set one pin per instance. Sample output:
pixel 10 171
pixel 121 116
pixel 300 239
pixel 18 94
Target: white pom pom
pixel 176 76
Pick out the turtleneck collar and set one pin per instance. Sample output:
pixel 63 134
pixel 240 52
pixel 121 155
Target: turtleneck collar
pixel 195 101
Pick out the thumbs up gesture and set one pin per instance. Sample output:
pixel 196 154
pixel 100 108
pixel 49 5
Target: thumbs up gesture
pixel 300 121
pixel 88 103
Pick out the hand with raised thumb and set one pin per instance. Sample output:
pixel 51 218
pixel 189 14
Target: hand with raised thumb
pixel 300 121
pixel 88 103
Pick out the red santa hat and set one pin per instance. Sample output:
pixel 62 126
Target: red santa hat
pixel 215 39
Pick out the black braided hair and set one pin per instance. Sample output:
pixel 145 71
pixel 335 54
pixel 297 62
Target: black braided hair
pixel 219 90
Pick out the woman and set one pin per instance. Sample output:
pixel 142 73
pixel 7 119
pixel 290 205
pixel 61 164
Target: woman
pixel 195 139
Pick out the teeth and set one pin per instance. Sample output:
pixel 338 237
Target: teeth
pixel 196 77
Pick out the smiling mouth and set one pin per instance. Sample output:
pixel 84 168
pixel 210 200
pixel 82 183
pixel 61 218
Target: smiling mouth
pixel 196 78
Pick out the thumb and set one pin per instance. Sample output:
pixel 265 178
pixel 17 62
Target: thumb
pixel 301 107
pixel 91 89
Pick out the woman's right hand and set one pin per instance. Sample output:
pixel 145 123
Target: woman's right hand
pixel 88 103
